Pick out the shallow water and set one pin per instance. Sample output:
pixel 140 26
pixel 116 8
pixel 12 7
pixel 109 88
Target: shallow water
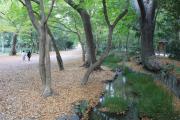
pixel 116 88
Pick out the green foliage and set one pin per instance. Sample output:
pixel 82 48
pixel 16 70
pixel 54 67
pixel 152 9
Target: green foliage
pixel 115 104
pixel 69 44
pixel 177 70
pixel 112 61
pixel 154 101
pixel 174 49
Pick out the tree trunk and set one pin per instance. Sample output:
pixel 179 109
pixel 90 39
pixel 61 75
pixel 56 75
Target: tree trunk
pixel 82 46
pixel 127 41
pixel 147 32
pixel 100 60
pixel 87 28
pixel 83 53
pixel 13 49
pixel 44 57
pixel 58 56
pixel 147 22
pixel 42 69
pixel 89 37
pixel 47 90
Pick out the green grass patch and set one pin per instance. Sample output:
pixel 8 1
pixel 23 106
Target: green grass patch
pixel 115 104
pixel 153 100
pixel 112 61
pixel 177 70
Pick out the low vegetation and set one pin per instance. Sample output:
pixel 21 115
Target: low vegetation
pixel 112 61
pixel 154 101
pixel 115 104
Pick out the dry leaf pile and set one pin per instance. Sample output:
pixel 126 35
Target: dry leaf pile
pixel 20 88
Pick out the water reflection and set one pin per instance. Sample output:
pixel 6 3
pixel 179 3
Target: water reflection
pixel 116 88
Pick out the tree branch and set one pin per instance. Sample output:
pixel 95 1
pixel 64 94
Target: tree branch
pixel 105 13
pixel 73 4
pixel 22 2
pixel 31 14
pixel 25 6
pixel 36 1
pixel 67 28
pixel 142 8
pixel 50 10
pixel 120 16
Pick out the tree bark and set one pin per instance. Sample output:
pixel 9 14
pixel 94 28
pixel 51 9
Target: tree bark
pixel 89 37
pixel 147 49
pixel 82 47
pixel 127 41
pixel 47 90
pixel 147 9
pixel 58 56
pixel 13 48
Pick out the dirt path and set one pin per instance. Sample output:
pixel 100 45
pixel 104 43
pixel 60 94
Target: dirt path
pixel 20 87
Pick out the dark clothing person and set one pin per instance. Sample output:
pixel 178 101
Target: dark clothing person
pixel 29 55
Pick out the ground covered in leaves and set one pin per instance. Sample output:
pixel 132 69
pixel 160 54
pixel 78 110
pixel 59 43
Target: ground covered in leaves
pixel 20 87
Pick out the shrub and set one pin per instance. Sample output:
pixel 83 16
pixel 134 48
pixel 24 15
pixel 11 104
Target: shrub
pixel 69 44
pixel 174 49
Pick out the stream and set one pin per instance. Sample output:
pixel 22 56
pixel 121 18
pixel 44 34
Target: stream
pixel 118 88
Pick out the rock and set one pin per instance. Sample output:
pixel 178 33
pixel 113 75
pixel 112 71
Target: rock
pixel 74 117
pixel 64 117
pixel 106 68
pixel 153 64
pixel 117 73
pixel 71 117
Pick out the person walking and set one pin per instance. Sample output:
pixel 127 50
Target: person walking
pixel 23 55
pixel 29 55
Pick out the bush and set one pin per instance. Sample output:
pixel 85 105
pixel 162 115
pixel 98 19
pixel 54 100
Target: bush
pixel 174 49
pixel 69 44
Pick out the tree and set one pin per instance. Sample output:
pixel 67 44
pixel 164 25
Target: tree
pixel 147 23
pixel 58 56
pixel 16 17
pixel 111 27
pixel 44 40
pixel 87 28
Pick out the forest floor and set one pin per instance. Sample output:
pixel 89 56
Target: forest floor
pixel 20 87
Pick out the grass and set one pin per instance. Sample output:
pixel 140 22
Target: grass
pixel 112 61
pixel 154 101
pixel 177 70
pixel 115 104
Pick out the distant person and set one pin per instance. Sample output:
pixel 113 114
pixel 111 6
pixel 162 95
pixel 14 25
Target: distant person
pixel 23 55
pixel 29 55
